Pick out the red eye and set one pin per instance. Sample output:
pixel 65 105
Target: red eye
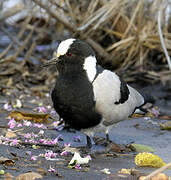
pixel 68 54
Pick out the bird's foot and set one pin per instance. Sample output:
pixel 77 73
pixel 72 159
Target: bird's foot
pixel 89 149
pixel 101 141
pixel 85 150
pixel 110 146
pixel 92 151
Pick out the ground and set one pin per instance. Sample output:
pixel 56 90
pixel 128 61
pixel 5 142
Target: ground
pixel 143 130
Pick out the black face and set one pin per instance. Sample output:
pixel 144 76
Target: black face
pixel 77 53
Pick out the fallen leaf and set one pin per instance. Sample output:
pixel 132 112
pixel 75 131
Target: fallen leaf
pixel 146 159
pixel 166 125
pixel 125 171
pixel 116 148
pixel 29 176
pixel 36 117
pixel 10 134
pixel 8 176
pixel 165 117
pixel 113 147
pixel 41 171
pixel 136 115
pixel 134 172
pixel 149 114
pixel 142 148
pixel 70 149
pixel 6 161
pixel 126 174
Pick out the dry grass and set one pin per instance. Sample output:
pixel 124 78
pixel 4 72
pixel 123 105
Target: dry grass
pixel 124 33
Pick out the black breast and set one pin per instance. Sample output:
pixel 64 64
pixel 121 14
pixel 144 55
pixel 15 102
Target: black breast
pixel 73 99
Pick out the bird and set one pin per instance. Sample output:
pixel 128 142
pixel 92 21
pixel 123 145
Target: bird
pixel 86 96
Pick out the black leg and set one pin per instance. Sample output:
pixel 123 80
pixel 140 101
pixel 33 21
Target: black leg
pixel 107 137
pixel 89 144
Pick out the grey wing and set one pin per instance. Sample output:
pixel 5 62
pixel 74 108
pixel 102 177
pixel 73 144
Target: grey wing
pixel 115 100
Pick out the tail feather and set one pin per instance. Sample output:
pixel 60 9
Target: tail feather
pixel 148 98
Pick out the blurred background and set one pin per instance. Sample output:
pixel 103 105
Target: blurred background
pixel 124 34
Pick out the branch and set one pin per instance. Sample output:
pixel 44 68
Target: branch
pixel 73 29
pixel 158 171
pixel 55 15
pixel 11 12
pixel 161 37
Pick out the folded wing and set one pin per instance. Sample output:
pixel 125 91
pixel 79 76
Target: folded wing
pixel 115 100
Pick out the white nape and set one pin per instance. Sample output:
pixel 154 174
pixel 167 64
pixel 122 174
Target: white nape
pixel 64 46
pixel 90 67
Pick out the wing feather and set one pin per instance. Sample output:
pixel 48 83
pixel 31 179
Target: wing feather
pixel 108 89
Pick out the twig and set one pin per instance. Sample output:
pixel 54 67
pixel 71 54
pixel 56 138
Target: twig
pixel 14 39
pixel 158 171
pixel 132 18
pixel 33 45
pixel 6 176
pixel 161 36
pixel 2 54
pixel 119 43
pixel 98 48
pixel 37 144
pixel 4 127
pixel 11 12
pixel 19 36
pixel 56 15
pixel 21 48
pixel 71 12
pixel 58 6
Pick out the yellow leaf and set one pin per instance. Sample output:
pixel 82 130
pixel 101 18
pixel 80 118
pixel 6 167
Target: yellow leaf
pixel 125 171
pixel 166 125
pixel 146 159
pixel 38 118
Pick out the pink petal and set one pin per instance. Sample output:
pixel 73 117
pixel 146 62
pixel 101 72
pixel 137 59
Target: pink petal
pixel 19 125
pixel 27 135
pixel 12 123
pixel 15 142
pixel 41 140
pixel 64 153
pixel 42 109
pixel 77 166
pixel 7 107
pixel 33 158
pixel 51 170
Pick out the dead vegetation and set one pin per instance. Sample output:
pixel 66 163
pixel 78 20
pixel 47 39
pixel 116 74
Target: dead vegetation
pixel 124 34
